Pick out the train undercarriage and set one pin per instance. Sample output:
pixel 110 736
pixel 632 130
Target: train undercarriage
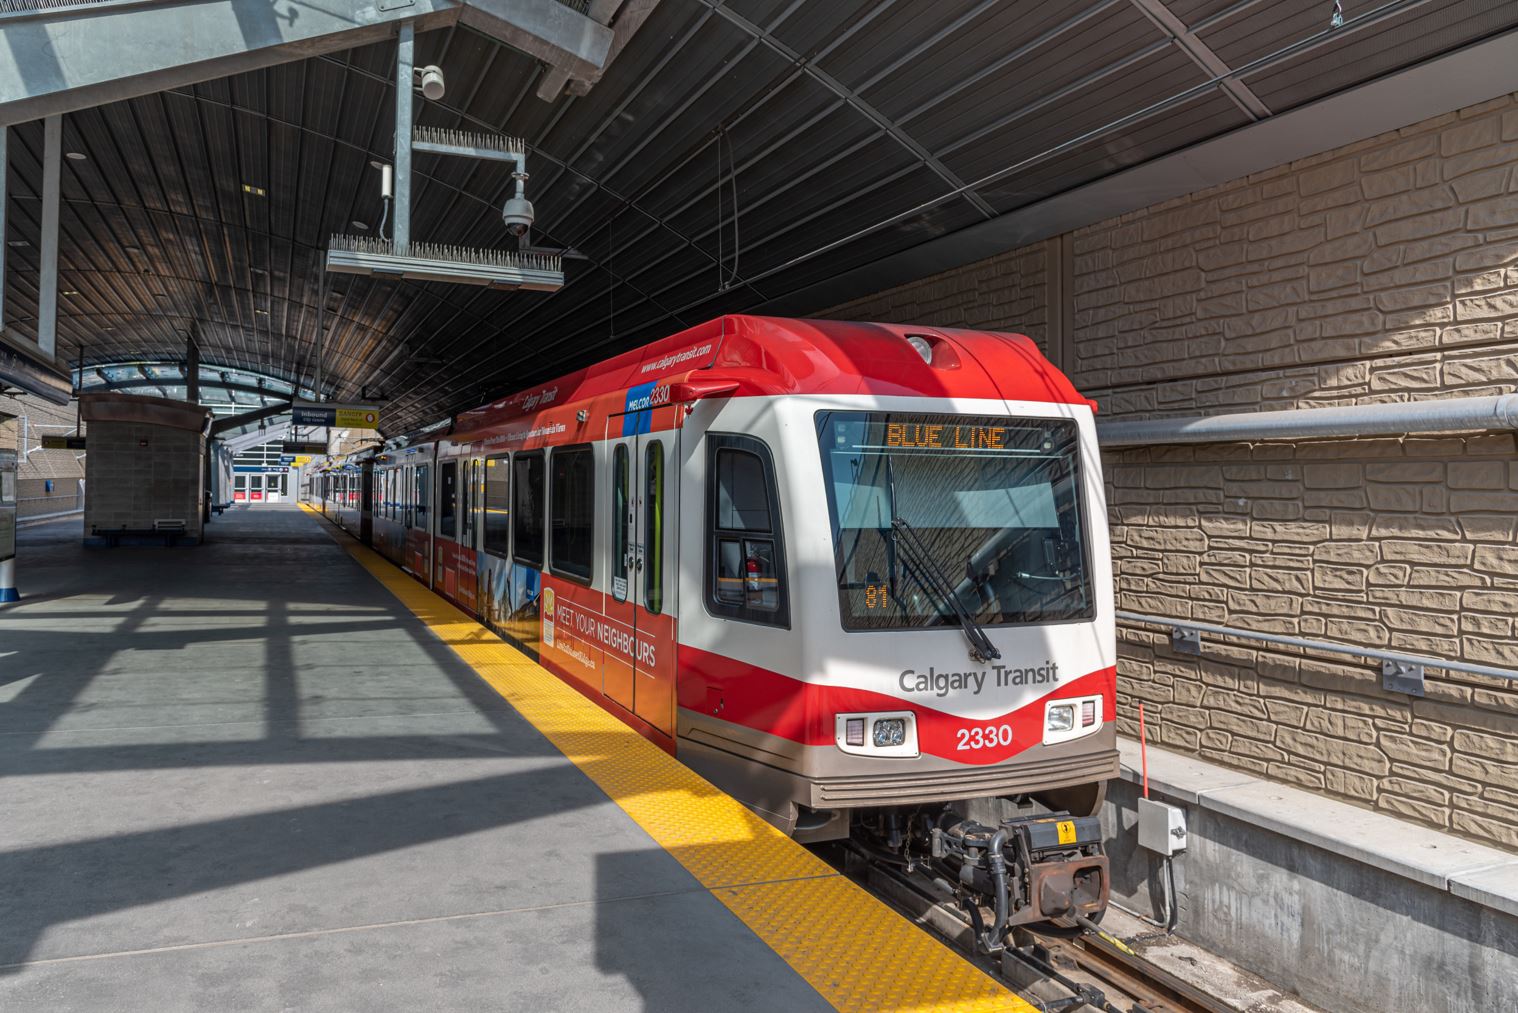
pixel 1043 868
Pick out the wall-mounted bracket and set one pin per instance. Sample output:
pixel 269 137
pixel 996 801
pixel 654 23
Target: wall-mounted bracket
pixel 1402 677
pixel 490 147
pixel 457 264
pixel 1184 640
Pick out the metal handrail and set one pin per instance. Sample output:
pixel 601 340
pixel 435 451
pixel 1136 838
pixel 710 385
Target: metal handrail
pixel 1402 673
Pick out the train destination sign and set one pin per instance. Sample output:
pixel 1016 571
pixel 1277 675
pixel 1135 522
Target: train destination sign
pixel 340 416
pixel 297 448
pixel 944 436
pixel 63 443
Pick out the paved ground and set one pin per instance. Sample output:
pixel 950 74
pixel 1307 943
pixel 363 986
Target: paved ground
pixel 242 776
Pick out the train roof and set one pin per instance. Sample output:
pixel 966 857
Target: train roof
pixel 753 356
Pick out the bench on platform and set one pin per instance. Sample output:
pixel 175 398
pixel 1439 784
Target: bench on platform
pixel 170 531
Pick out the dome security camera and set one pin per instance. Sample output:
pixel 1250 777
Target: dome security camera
pixel 430 80
pixel 518 216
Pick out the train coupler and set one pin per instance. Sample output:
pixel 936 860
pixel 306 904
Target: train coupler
pixel 1027 869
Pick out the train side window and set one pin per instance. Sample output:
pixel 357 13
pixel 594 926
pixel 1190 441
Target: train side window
pixel 466 502
pixel 572 511
pixel 745 559
pixel 423 495
pixel 498 505
pixel 653 528
pixel 476 500
pixel 448 482
pixel 621 519
pixel 527 509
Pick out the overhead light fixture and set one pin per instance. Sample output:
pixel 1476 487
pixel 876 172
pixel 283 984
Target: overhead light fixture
pixel 361 226
pixel 69 291
pixel 17 242
pixel 430 80
pixel 256 191
pixel 377 164
pixel 262 313
pixel 77 156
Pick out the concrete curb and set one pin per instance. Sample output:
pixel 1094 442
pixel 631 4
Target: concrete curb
pixel 1475 872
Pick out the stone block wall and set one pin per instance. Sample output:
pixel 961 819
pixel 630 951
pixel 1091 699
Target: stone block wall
pixel 1386 270
pixel 139 473
pixel 1011 286
pixel 35 499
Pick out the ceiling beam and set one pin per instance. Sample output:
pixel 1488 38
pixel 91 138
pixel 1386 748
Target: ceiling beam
pixel 65 58
pixel 555 33
pixel 229 422
pixel 1202 55
pixel 207 386
pixel 631 18
pixel 1479 72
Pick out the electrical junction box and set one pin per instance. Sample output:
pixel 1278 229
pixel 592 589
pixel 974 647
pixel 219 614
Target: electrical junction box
pixel 1162 827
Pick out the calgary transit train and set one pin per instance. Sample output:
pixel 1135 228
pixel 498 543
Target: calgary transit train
pixel 848 572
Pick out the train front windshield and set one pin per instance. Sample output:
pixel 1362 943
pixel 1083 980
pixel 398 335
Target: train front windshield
pixel 985 508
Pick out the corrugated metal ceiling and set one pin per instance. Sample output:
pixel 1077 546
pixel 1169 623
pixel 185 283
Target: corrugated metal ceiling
pixel 837 117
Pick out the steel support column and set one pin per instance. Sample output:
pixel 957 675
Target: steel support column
pixel 405 61
pixel 47 292
pixel 4 199
pixel 192 370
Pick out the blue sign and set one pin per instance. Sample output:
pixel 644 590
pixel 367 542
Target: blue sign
pixel 304 416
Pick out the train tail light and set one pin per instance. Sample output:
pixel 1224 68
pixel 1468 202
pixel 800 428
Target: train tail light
pixel 853 733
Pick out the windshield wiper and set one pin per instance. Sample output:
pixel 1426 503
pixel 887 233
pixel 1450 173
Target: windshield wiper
pixel 932 577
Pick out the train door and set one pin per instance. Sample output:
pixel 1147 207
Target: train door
pixel 445 543
pixel 366 503
pixel 474 495
pixel 644 463
pixel 423 494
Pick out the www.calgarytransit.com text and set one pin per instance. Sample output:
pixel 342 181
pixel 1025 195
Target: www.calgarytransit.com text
pixel 943 683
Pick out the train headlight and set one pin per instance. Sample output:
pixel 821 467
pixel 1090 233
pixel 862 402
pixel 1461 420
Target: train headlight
pixel 880 734
pixel 922 346
pixel 890 732
pixel 1071 718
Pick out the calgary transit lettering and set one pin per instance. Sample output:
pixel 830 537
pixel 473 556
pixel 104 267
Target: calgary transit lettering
pixel 935 436
pixel 943 683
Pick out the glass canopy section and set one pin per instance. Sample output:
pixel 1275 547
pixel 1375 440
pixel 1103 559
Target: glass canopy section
pixel 225 391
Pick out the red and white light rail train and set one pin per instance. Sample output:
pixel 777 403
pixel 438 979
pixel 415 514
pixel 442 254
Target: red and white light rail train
pixel 849 572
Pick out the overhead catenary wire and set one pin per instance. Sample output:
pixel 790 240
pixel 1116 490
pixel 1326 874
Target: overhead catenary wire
pixel 732 178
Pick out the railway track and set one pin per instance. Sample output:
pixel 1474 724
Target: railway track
pixel 1089 971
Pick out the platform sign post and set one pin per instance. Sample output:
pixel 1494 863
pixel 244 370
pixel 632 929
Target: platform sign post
pixel 8 591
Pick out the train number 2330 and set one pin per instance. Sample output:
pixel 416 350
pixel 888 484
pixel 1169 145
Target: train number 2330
pixel 985 737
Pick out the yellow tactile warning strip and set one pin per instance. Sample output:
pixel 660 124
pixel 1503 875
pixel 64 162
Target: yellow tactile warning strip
pixel 856 952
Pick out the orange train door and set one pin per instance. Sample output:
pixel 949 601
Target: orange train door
pixel 643 469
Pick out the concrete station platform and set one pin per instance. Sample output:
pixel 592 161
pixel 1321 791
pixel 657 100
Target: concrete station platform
pixel 249 775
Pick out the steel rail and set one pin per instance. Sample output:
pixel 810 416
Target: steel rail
pixel 1401 418
pixel 1399 671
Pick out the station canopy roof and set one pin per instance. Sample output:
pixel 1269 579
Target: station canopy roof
pixel 841 133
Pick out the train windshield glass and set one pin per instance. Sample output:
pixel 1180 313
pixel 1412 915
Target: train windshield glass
pixel 993 503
